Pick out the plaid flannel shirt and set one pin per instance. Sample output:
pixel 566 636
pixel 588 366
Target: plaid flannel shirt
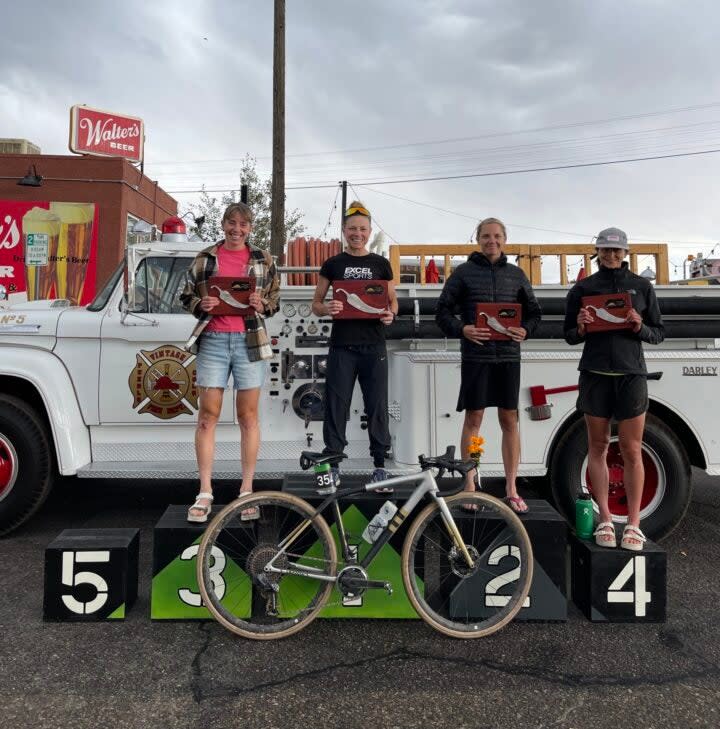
pixel 266 281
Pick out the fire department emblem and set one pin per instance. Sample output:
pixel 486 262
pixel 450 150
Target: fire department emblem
pixel 163 382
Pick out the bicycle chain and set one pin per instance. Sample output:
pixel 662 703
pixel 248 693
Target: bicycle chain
pixel 324 561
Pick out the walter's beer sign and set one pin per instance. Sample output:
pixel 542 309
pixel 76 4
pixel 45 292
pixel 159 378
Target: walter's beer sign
pixel 105 133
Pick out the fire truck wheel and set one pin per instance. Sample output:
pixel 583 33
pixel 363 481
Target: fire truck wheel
pixel 668 480
pixel 26 466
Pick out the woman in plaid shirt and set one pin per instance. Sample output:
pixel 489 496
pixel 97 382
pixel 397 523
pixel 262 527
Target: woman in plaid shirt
pixel 230 344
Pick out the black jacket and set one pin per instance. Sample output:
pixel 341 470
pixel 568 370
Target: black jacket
pixel 619 350
pixel 479 281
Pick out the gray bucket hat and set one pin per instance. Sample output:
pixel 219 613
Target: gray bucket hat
pixel 612 238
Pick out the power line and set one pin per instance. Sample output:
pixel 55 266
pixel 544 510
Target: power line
pixel 497 173
pixel 489 135
pixel 357 197
pixel 539 169
pixel 234 189
pixel 517 225
pixel 657 140
pixel 333 207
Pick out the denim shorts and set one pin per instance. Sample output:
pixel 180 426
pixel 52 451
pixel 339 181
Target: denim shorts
pixel 222 353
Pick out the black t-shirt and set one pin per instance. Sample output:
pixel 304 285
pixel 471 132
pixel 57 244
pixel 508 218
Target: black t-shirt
pixel 369 267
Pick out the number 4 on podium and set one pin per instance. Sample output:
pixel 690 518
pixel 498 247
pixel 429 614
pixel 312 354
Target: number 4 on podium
pixel 639 594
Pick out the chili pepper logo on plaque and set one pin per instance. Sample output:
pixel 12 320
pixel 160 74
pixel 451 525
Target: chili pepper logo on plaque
pixel 163 380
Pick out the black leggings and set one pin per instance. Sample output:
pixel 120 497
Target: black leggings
pixel 369 366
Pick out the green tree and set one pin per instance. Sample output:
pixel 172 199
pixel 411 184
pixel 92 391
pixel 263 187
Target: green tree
pixel 259 200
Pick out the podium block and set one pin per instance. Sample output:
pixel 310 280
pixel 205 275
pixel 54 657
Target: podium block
pixel 174 592
pixel 357 511
pixel 617 585
pixel 91 574
pixel 547 600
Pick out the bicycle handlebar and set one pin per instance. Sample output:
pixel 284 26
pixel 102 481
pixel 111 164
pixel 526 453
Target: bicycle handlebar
pixel 446 462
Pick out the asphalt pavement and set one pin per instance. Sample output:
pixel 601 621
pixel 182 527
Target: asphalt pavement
pixel 349 673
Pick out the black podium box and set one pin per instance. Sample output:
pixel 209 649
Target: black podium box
pixel 547 600
pixel 174 593
pixel 617 585
pixel 91 574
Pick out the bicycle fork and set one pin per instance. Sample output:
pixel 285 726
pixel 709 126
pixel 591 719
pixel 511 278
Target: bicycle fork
pixel 453 531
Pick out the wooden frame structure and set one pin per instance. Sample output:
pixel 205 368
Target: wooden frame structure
pixel 530 257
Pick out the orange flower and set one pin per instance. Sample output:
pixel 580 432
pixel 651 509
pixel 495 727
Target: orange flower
pixel 476 447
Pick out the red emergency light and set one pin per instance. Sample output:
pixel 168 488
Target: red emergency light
pixel 174 230
pixel 174 225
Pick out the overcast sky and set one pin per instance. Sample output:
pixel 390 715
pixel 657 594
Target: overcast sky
pixel 393 90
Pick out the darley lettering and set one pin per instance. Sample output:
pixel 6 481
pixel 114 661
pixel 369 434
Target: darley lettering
pixel 700 371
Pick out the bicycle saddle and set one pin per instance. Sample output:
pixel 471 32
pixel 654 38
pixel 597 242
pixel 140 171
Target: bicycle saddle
pixel 311 458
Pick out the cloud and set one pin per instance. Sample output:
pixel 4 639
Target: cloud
pixel 389 74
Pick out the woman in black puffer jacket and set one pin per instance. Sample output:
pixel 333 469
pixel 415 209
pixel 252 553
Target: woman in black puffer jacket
pixel 613 379
pixel 489 370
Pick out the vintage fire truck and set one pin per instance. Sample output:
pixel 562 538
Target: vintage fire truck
pixel 108 391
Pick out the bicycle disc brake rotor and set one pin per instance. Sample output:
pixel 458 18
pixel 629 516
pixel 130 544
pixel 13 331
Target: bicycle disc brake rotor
pixel 459 565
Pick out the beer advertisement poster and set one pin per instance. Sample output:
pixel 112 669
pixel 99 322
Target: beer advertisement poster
pixel 48 250
pixel 361 299
pixel 497 318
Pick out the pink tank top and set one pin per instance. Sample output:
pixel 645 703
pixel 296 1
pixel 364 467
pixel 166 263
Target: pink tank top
pixel 230 263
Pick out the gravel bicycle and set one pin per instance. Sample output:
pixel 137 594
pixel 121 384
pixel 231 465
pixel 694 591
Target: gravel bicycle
pixel 466 558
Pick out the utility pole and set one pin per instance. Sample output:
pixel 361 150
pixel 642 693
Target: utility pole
pixel 343 205
pixel 277 219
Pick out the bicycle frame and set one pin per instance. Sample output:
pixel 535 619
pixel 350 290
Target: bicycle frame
pixel 426 485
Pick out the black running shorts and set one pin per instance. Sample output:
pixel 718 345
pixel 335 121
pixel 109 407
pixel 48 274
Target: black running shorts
pixel 612 396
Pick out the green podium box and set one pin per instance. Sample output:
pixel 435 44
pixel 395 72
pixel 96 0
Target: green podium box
pixel 174 593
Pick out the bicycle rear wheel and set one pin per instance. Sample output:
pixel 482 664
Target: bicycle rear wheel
pixel 231 562
pixel 456 599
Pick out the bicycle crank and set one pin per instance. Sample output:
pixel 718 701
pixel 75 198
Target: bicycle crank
pixel 352 581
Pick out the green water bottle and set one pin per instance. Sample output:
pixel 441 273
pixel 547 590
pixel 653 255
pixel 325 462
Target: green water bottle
pixel 584 516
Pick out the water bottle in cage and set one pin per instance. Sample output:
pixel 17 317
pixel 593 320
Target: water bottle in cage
pixel 376 525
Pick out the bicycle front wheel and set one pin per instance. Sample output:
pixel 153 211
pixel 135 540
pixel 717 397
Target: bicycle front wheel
pixel 235 584
pixel 458 598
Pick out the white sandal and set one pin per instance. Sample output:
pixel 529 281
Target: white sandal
pixel 205 508
pixel 605 529
pixel 252 512
pixel 634 533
